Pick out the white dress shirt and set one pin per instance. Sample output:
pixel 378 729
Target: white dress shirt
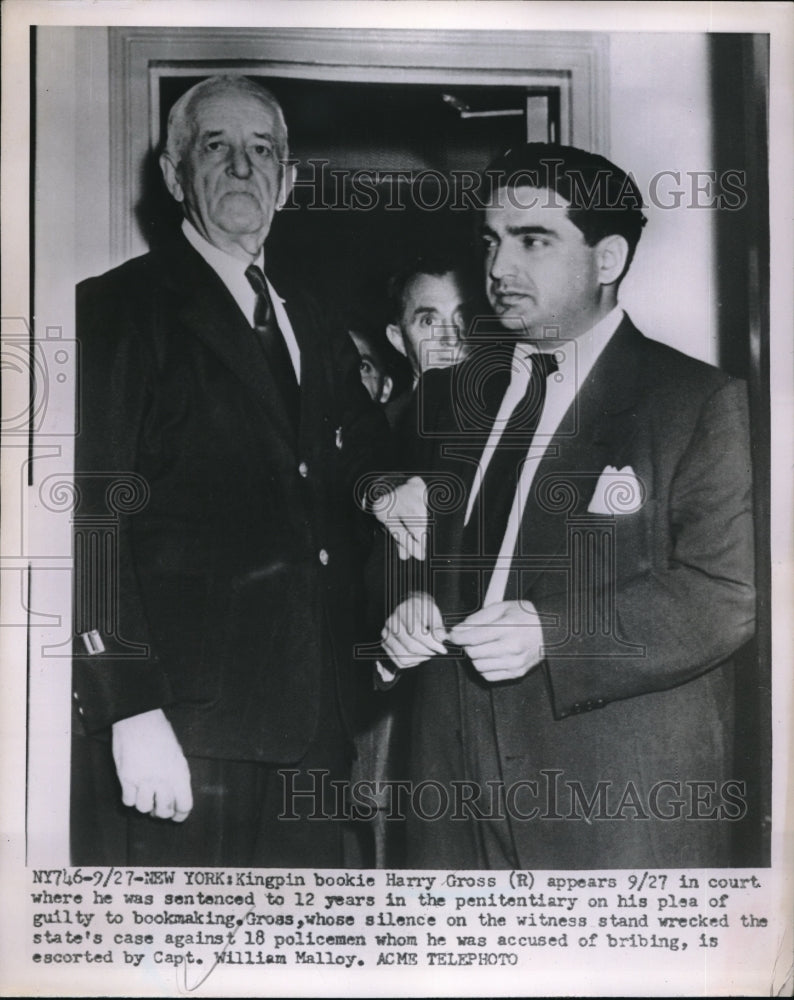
pixel 576 359
pixel 231 271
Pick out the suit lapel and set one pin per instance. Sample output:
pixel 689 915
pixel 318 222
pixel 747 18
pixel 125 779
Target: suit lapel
pixel 208 310
pixel 464 435
pixel 313 370
pixel 596 431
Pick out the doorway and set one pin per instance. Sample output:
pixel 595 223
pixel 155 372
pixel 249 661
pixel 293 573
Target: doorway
pixel 384 172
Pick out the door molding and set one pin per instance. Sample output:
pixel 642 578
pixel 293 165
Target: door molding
pixel 577 62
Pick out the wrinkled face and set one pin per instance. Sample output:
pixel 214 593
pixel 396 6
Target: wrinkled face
pixel 229 178
pixel 433 322
pixel 540 273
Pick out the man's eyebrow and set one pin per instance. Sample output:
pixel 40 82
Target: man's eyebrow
pixel 531 231
pixel 211 133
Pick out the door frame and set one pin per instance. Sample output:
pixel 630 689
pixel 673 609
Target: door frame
pixel 575 61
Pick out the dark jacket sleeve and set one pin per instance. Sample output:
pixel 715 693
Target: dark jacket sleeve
pixel 368 449
pixel 391 579
pixel 121 676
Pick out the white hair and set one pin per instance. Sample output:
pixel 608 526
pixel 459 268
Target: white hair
pixel 180 116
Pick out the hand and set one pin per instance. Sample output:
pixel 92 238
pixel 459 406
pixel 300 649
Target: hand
pixel 503 641
pixel 404 512
pixel 154 775
pixel 414 631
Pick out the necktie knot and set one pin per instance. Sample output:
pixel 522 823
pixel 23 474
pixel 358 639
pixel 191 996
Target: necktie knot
pixel 546 362
pixel 502 375
pixel 532 388
pixel 256 279
pixel 263 310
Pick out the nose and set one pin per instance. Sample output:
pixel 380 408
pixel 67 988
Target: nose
pixel 239 164
pixel 501 262
pixel 450 333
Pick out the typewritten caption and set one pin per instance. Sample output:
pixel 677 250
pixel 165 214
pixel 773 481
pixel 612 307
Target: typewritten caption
pixel 199 921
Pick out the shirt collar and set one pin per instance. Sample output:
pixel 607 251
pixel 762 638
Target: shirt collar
pixel 602 332
pixel 588 346
pixel 231 270
pixel 224 264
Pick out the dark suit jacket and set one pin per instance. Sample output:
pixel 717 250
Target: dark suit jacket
pixel 226 575
pixel 641 610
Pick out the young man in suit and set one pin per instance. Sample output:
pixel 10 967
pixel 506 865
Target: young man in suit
pixel 223 427
pixel 587 572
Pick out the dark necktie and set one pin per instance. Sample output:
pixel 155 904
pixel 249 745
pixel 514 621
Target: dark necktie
pixel 273 344
pixel 484 533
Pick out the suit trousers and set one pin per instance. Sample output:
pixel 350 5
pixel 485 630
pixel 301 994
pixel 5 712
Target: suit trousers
pixel 538 822
pixel 465 760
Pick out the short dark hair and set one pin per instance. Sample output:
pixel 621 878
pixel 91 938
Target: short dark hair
pixel 603 199
pixel 437 265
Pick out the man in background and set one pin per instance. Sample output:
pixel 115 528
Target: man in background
pixel 374 373
pixel 214 641
pixel 431 301
pixel 384 372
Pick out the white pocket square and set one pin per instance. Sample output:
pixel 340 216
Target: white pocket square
pixel 618 491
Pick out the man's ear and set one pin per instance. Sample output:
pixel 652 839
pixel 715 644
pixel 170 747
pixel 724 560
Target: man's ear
pixel 386 389
pixel 289 170
pixel 612 253
pixel 395 337
pixel 171 177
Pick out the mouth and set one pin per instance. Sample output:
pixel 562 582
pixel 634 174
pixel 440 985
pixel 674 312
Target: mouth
pixel 233 193
pixel 509 298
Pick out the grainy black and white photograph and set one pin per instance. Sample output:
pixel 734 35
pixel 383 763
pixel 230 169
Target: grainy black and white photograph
pixel 395 484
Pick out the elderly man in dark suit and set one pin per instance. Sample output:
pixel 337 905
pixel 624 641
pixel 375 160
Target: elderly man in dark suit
pixel 214 639
pixel 587 574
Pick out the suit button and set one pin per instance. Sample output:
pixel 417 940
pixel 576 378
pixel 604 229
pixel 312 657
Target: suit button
pixel 323 557
pixel 303 469
pixel 576 707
